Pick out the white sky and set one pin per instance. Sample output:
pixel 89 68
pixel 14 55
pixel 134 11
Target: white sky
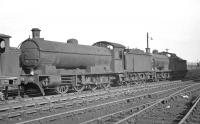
pixel 173 24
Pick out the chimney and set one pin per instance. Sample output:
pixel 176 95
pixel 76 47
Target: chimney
pixel 36 33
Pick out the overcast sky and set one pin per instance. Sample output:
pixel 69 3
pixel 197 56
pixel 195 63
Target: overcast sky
pixel 173 24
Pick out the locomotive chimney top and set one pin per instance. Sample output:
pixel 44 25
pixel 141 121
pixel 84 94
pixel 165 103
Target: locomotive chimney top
pixel 72 41
pixel 36 32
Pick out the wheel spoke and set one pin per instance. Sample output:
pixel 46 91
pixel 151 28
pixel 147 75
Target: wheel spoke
pixel 79 88
pixel 62 89
pixel 106 86
pixel 92 87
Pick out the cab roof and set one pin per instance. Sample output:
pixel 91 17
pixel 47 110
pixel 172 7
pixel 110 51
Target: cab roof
pixel 106 43
pixel 5 36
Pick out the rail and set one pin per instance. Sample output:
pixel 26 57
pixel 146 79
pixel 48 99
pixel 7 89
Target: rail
pixel 184 120
pixel 156 103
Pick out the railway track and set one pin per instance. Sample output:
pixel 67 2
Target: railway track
pixel 76 94
pixel 74 110
pixel 88 93
pixel 164 111
pixel 193 115
pixel 14 94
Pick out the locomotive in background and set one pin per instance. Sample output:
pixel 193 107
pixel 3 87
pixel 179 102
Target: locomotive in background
pixel 63 66
pixel 9 66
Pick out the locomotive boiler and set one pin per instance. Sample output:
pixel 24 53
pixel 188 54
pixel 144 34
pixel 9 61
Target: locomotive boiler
pixel 44 55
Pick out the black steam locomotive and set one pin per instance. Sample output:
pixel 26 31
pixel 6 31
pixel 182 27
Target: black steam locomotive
pixel 63 66
pixel 9 66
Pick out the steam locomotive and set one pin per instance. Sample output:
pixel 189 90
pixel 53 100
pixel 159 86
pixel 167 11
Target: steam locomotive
pixel 9 66
pixel 70 66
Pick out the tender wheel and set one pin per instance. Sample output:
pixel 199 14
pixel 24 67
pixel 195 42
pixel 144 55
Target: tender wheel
pixel 62 89
pixel 1 96
pixel 79 88
pixel 92 87
pixel 106 86
pixel 125 83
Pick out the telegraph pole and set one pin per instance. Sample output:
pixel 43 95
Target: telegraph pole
pixel 147 49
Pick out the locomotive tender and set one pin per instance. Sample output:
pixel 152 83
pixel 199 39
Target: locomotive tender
pixel 64 66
